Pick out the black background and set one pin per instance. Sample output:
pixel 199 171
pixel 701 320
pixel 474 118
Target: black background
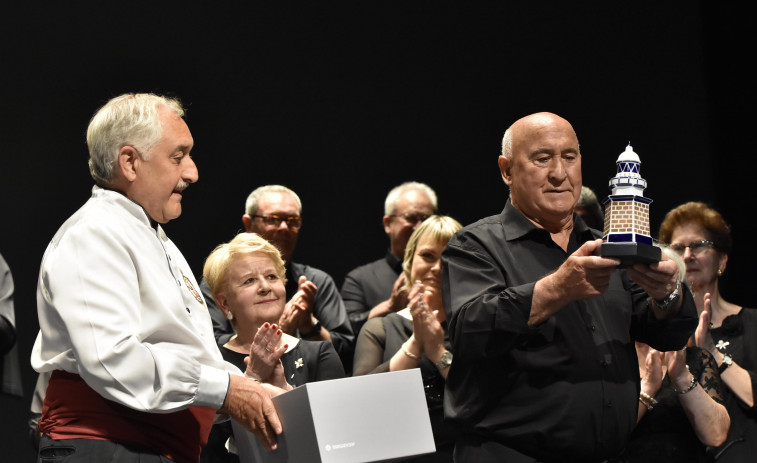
pixel 342 102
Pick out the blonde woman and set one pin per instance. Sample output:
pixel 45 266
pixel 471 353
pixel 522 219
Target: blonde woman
pixel 247 278
pixel 415 337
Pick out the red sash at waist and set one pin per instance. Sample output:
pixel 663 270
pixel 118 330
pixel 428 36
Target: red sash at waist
pixel 73 410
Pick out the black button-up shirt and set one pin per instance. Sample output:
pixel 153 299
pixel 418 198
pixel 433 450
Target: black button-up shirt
pixel 566 389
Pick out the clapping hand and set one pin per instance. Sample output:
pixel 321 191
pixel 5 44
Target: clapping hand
pixel 651 382
pixel 399 297
pixel 427 329
pixel 298 312
pixel 702 335
pixel 677 369
pixel 264 362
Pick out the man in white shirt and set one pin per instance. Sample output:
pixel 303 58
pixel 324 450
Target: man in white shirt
pixel 124 330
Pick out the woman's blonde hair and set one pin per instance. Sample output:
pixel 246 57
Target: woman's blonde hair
pixel 440 227
pixel 216 268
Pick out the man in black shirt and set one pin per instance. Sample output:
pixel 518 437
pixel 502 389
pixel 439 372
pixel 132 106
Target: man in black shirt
pixel 542 329
pixel 377 289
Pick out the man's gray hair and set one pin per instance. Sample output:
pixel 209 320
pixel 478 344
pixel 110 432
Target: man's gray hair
pixel 251 205
pixel 507 144
pixel 390 205
pixel 127 120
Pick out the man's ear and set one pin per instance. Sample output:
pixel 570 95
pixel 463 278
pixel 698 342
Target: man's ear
pixel 128 158
pixel 387 220
pixel 504 168
pixel 247 221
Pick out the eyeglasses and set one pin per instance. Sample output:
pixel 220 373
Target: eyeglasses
pixel 412 217
pixel 696 247
pixel 293 221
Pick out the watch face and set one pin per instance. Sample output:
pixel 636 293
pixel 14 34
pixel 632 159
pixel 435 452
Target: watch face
pixel 727 359
pixel 447 358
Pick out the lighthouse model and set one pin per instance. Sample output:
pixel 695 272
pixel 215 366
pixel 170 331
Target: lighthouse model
pixel 626 232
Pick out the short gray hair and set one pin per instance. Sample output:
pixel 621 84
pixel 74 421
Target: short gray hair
pixel 251 205
pixel 507 144
pixel 390 205
pixel 132 119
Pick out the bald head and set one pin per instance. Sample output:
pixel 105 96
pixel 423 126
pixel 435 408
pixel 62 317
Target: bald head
pixel 530 122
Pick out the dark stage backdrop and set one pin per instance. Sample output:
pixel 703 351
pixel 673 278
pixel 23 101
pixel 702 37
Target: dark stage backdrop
pixel 341 104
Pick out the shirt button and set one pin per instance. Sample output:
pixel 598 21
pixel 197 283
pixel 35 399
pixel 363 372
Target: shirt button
pixel 604 363
pixel 609 404
pixel 593 327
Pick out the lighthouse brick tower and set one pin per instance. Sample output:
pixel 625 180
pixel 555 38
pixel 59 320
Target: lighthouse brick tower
pixel 626 231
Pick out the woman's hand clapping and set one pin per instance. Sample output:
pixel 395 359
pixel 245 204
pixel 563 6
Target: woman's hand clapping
pixel 264 362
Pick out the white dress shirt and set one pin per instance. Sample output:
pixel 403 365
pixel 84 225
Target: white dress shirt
pixel 118 305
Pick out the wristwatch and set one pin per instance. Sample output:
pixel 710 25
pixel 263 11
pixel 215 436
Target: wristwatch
pixel 671 300
pixel 445 361
pixel 314 330
pixel 727 362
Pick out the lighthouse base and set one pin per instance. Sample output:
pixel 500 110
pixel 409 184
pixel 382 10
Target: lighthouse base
pixel 631 253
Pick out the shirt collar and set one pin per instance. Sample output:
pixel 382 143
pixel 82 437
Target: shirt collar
pixel 133 207
pixel 394 262
pixel 516 225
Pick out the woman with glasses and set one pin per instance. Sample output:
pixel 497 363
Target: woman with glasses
pixel 682 401
pixel 247 278
pixel 700 235
pixel 416 337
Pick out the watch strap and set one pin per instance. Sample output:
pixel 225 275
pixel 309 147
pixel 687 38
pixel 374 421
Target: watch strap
pixel 727 361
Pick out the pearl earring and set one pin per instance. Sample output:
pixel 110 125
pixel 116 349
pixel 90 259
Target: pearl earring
pixel 720 272
pixel 229 316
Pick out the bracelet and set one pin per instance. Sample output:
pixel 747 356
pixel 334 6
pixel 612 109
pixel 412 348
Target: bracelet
pixel 652 401
pixel 693 384
pixel 648 405
pixel 408 353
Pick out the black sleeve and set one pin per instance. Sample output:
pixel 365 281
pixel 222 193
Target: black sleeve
pixel 354 302
pixel 329 364
pixel 369 350
pixel 703 366
pixel 329 310
pixel 7 335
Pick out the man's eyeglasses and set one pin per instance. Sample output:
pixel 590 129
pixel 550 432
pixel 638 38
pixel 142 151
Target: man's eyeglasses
pixel 293 221
pixel 412 217
pixel 696 247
